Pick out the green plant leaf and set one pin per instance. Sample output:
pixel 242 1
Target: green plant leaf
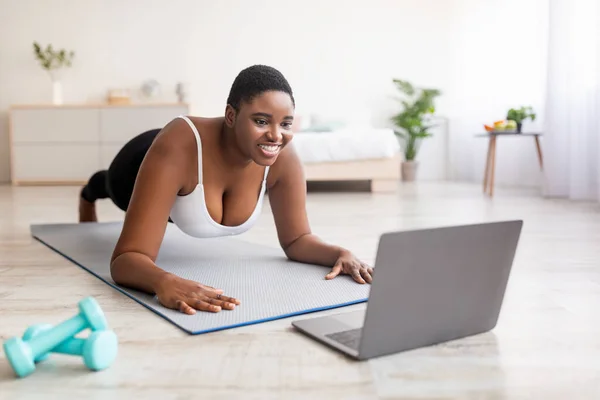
pixel 417 104
pixel 404 87
pixel 50 59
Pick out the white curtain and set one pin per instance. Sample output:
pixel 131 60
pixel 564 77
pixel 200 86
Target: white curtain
pixel 572 117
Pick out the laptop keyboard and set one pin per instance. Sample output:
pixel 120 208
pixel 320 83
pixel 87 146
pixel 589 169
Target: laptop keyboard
pixel 349 338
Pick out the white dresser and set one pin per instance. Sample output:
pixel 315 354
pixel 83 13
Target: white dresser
pixel 66 144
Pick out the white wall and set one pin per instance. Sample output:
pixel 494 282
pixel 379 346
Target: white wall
pixel 500 48
pixel 484 56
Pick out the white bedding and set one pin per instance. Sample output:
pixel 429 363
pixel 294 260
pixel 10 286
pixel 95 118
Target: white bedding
pixel 346 145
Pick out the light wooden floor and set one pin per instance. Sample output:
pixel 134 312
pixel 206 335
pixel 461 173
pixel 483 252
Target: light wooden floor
pixel 546 345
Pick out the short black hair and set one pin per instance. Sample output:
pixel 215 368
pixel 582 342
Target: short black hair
pixel 255 80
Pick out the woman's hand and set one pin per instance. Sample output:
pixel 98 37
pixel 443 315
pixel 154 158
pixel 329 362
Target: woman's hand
pixel 188 296
pixel 350 265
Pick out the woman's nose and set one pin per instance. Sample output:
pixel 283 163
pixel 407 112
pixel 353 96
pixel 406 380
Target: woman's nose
pixel 275 134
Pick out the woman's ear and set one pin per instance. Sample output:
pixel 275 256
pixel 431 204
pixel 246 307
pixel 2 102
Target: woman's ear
pixel 230 115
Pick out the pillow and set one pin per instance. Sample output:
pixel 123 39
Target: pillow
pixel 322 123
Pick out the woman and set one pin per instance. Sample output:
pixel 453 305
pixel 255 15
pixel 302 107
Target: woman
pixel 209 177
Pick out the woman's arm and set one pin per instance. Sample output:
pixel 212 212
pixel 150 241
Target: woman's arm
pixel 161 177
pixel 287 197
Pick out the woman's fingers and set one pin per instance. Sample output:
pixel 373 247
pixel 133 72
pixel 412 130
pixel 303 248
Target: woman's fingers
pixel 191 305
pixel 356 275
pixel 203 305
pixel 209 300
pixel 183 307
pixel 366 274
pixel 222 301
pixel 335 271
pixel 359 272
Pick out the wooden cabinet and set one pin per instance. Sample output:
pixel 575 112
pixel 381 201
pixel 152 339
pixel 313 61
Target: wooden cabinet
pixel 66 144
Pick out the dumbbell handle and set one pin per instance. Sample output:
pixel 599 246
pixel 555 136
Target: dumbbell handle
pixel 73 346
pixel 53 337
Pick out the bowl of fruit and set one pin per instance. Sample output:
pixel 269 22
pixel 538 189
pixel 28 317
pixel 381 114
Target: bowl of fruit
pixel 501 126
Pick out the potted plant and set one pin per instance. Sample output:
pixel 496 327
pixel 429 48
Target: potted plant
pixel 412 122
pixel 53 61
pixel 519 115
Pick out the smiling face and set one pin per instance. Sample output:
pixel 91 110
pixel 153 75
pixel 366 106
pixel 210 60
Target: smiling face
pixel 263 126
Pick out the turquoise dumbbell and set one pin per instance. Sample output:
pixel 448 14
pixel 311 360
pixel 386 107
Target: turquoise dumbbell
pixel 98 350
pixel 22 354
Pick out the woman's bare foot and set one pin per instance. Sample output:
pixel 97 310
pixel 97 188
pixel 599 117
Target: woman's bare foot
pixel 87 211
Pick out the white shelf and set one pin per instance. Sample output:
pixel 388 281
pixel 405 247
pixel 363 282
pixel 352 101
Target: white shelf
pixel 52 144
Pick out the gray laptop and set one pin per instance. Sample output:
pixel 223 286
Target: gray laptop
pixel 429 286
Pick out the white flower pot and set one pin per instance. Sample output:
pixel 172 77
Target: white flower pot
pixel 409 171
pixel 57 93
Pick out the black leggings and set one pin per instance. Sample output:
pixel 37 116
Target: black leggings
pixel 118 180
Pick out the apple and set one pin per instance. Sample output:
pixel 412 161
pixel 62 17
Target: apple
pixel 511 125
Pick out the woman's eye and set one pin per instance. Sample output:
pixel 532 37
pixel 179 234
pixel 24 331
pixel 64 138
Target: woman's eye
pixel 261 121
pixel 287 125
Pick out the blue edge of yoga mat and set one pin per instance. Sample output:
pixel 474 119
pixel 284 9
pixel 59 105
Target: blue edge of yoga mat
pixel 50 236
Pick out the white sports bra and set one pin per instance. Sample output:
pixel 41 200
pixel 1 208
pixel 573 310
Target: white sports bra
pixel 191 215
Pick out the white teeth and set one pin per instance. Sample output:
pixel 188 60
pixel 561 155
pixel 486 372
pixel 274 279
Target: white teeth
pixel 270 149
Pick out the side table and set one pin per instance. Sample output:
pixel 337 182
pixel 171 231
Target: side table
pixel 490 164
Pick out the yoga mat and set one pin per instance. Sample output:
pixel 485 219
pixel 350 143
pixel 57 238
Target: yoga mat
pixel 268 285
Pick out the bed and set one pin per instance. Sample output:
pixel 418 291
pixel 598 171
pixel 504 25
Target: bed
pixel 351 154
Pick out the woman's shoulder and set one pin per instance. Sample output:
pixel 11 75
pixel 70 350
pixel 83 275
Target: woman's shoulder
pixel 207 128
pixel 173 136
pixel 178 133
pixel 188 122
